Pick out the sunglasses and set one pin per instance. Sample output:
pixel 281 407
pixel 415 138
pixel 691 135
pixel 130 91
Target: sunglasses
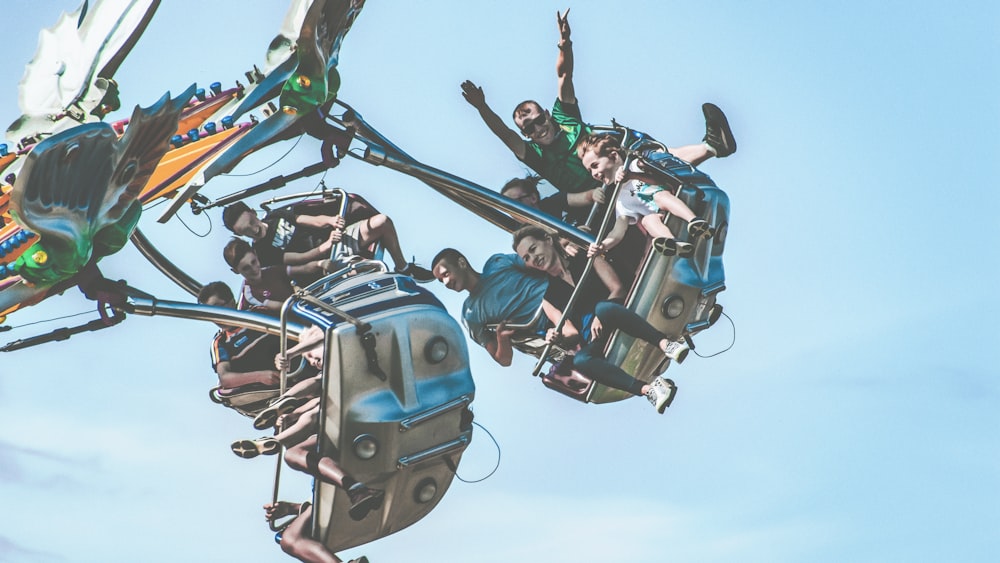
pixel 528 126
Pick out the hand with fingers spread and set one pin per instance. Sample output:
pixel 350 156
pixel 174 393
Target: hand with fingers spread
pixel 473 94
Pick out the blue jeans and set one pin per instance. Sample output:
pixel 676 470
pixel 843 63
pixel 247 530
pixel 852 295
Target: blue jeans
pixel 590 360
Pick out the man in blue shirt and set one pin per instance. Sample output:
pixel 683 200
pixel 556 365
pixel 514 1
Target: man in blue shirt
pixel 505 292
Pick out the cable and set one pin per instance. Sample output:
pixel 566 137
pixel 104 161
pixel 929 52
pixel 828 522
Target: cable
pixel 731 344
pixel 282 157
pixel 190 230
pixel 161 201
pixel 50 320
pixel 495 467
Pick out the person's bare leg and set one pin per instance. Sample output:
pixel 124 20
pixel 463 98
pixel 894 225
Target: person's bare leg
pixel 302 427
pixel 694 154
pixel 673 205
pixel 380 227
pixel 653 224
pixel 296 542
pixel 306 388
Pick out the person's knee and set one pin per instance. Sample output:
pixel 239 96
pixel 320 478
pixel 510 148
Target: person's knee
pixel 606 310
pixel 287 544
pixel 379 223
pixel 297 458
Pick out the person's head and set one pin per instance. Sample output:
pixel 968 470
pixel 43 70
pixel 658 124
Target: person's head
pixel 538 248
pixel 242 259
pixel 601 156
pixel 314 354
pixel 523 190
pixel 242 220
pixel 451 268
pixel 217 294
pixel 535 123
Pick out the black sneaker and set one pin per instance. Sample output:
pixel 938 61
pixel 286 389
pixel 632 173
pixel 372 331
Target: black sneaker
pixel 718 135
pixel 673 247
pixel 699 229
pixel 420 274
pixel 363 500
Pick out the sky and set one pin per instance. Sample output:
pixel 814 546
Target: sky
pixel 855 418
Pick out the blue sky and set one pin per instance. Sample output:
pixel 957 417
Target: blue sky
pixel 854 419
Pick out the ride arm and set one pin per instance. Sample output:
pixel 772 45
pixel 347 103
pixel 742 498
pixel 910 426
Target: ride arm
pixel 230 379
pixel 564 62
pixel 477 99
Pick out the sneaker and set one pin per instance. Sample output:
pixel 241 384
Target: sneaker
pixel 363 500
pixel 699 229
pixel 677 350
pixel 267 417
pixel 248 449
pixel 718 135
pixel 661 393
pixel 418 273
pixel 671 247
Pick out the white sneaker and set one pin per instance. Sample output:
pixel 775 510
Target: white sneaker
pixel 661 393
pixel 677 350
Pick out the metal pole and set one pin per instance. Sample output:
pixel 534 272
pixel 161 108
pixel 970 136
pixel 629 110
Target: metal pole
pixel 608 214
pixel 164 265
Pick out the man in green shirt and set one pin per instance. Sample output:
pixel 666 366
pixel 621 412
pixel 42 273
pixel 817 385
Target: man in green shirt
pixel 550 148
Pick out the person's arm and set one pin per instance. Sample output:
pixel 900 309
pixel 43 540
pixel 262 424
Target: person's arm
pixel 474 95
pixel 586 198
pixel 320 252
pixel 609 278
pixel 280 509
pixel 308 338
pixel 320 221
pixel 313 267
pixel 501 349
pixel 229 378
pixel 614 237
pixel 564 62
pixel 568 333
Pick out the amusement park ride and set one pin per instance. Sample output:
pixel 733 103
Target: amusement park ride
pixel 395 377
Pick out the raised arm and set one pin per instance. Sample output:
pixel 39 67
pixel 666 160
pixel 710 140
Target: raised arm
pixel 564 62
pixel 474 95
